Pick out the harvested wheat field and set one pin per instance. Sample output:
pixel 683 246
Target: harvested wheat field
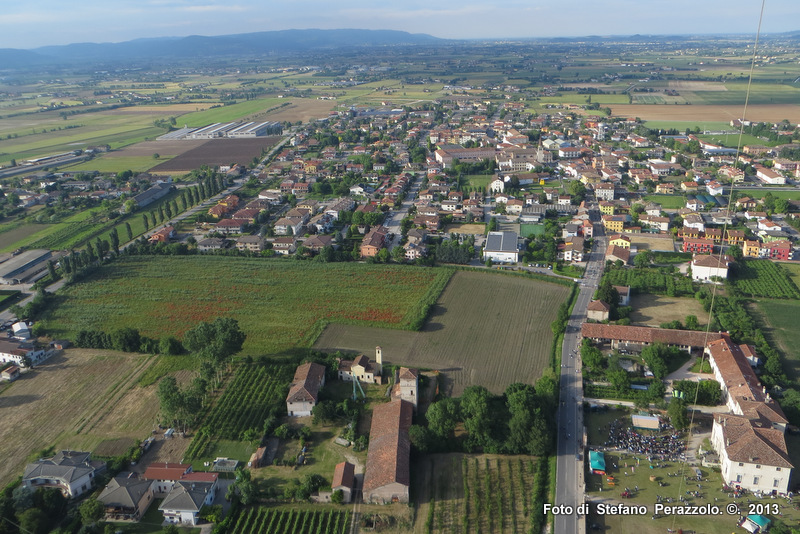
pixel 77 399
pixel 486 328
pixel 701 113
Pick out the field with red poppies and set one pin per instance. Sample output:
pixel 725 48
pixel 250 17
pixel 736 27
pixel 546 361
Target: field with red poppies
pixel 280 304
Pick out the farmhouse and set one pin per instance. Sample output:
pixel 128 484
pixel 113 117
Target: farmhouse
pixel 615 253
pixel 598 310
pixel 126 499
pixel 501 247
pixel 20 353
pixel 706 266
pixel 750 441
pixel 362 369
pixel 406 385
pixel 10 373
pixel 638 337
pixel 387 475
pixel 304 390
pixel 71 472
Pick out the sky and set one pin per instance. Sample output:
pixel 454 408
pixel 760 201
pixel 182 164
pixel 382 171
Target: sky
pixel 33 23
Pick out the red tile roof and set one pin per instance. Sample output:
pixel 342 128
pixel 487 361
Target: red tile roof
pixel 389 446
pixel 644 334
pixel 166 471
pixel 344 475
pixel 307 381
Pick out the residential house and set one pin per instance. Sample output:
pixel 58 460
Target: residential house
pixel 362 369
pixel 604 191
pixel 621 241
pixel 303 395
pixel 689 187
pixel 164 476
pixel 665 188
pixel 373 242
pixel 229 226
pixel 182 505
pixel 289 226
pixel 71 472
pixel 659 223
pixel 614 223
pixel 317 242
pixel 700 246
pixel 248 215
pixel 126 499
pixel 704 267
pixel 253 243
pixel 694 221
pixel 387 476
pixel 414 251
pixel 284 245
pixel 751 249
pixel 778 250
pixel 573 249
pixel 163 235
pixel 212 243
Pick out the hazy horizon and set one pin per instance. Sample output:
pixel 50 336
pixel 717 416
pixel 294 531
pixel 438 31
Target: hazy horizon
pixel 40 23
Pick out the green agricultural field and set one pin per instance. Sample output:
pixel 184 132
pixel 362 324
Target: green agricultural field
pixel 681 126
pixel 280 304
pixel 118 164
pixel 762 192
pixel 764 278
pixel 230 113
pixel 477 493
pixel 781 318
pixel 794 272
pixel 290 521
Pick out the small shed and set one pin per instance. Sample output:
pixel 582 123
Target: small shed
pixel 344 479
pixel 597 462
pixel 257 458
pixel 10 373
pixel 225 465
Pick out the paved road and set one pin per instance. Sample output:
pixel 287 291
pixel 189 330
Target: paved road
pixel 570 461
pixel 395 217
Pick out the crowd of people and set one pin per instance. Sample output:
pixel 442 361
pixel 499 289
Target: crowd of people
pixel 664 445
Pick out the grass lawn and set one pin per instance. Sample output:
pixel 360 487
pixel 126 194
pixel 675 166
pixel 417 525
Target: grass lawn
pixel 794 271
pixel 480 181
pixel 531 229
pixel 761 192
pixel 667 201
pixel 781 318
pixel 280 304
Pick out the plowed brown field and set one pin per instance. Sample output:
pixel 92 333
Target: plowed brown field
pixel 486 328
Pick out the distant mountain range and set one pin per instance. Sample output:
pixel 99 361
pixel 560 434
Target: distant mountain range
pixel 269 43
pixel 198 46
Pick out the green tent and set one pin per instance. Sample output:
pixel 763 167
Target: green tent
pixel 597 461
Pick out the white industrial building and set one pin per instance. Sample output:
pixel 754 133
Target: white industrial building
pixel 501 247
